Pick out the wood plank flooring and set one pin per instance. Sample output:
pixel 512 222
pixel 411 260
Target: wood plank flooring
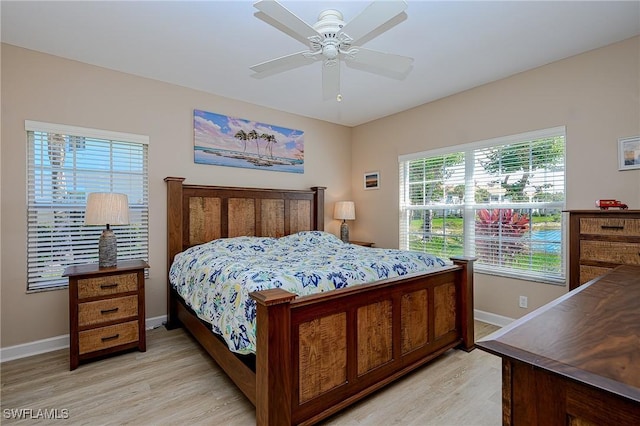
pixel 176 382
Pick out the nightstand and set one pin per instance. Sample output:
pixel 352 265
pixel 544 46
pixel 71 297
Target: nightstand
pixel 106 309
pixel 362 243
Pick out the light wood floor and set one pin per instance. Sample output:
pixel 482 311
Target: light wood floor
pixel 175 382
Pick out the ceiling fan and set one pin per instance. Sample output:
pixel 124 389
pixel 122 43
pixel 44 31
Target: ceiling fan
pixel 331 40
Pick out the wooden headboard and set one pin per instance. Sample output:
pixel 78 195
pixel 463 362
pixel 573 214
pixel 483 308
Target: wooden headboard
pixel 197 214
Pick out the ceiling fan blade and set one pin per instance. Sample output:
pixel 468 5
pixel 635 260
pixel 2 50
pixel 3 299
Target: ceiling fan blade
pixel 395 66
pixel 284 18
pixel 288 31
pixel 375 15
pixel 330 80
pixel 284 63
pixel 383 28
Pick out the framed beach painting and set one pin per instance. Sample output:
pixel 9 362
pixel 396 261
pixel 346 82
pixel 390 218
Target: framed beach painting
pixel 221 140
pixel 372 180
pixel 629 153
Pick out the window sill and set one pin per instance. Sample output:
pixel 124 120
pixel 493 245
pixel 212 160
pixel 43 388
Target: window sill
pixel 559 281
pixel 42 290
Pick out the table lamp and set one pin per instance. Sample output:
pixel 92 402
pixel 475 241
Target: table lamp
pixel 344 210
pixel 107 208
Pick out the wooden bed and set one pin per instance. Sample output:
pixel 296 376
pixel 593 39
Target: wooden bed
pixel 316 354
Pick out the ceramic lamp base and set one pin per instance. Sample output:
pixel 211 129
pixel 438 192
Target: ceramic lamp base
pixel 107 249
pixel 344 232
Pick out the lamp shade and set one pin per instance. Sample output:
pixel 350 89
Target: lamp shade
pixel 344 210
pixel 107 208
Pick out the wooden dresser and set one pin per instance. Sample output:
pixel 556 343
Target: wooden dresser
pixel 600 240
pixel 106 309
pixel 575 361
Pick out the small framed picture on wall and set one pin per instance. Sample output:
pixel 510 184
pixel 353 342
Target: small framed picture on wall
pixel 629 153
pixel 372 180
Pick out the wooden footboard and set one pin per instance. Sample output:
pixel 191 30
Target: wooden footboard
pixel 318 354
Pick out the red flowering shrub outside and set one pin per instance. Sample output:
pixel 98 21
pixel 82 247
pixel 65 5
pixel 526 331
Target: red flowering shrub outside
pixel 499 235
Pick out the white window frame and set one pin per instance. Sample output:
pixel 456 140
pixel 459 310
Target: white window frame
pixel 79 244
pixel 469 208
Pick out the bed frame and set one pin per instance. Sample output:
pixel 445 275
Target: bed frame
pixel 317 354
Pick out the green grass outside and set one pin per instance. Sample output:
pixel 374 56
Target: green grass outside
pixel 451 243
pixel 545 261
pixel 456 223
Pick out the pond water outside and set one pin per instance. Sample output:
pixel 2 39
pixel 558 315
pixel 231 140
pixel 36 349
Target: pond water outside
pixel 546 240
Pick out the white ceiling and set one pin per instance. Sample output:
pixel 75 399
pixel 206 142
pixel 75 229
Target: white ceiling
pixel 209 46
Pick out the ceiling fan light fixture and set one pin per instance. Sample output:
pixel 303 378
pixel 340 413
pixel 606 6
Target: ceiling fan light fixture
pixel 330 50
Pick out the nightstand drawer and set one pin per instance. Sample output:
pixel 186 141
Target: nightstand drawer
pixel 107 337
pixel 106 310
pixel 107 285
pixel 100 311
pixel 610 226
pixel 362 243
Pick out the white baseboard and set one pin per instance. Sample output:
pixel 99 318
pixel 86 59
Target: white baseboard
pixel 62 342
pixel 56 343
pixel 34 348
pixel 155 322
pixel 490 318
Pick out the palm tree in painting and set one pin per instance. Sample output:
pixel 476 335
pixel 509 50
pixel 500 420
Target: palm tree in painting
pixel 265 137
pixel 253 135
pixel 242 135
pixel 271 139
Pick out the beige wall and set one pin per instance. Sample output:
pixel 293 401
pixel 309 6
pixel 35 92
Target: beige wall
pixel 596 95
pixel 50 89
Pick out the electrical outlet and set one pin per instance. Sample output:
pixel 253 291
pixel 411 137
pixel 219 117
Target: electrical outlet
pixel 524 302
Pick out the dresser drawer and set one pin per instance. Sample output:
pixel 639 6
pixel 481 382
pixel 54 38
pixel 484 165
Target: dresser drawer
pixel 100 311
pixel 610 226
pixel 600 240
pixel 107 337
pixel 609 251
pixel 587 272
pixel 107 285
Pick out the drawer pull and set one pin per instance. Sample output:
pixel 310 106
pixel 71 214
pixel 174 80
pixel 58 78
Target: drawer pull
pixel 106 339
pixel 109 311
pixel 612 226
pixel 106 286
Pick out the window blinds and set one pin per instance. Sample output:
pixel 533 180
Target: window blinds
pixel 66 164
pixel 498 200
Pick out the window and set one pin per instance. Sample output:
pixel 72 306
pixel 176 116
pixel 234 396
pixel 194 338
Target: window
pixel 65 164
pixel 499 200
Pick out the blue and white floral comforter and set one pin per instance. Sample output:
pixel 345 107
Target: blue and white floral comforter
pixel 216 278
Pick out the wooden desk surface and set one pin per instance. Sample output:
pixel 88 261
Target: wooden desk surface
pixel 591 334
